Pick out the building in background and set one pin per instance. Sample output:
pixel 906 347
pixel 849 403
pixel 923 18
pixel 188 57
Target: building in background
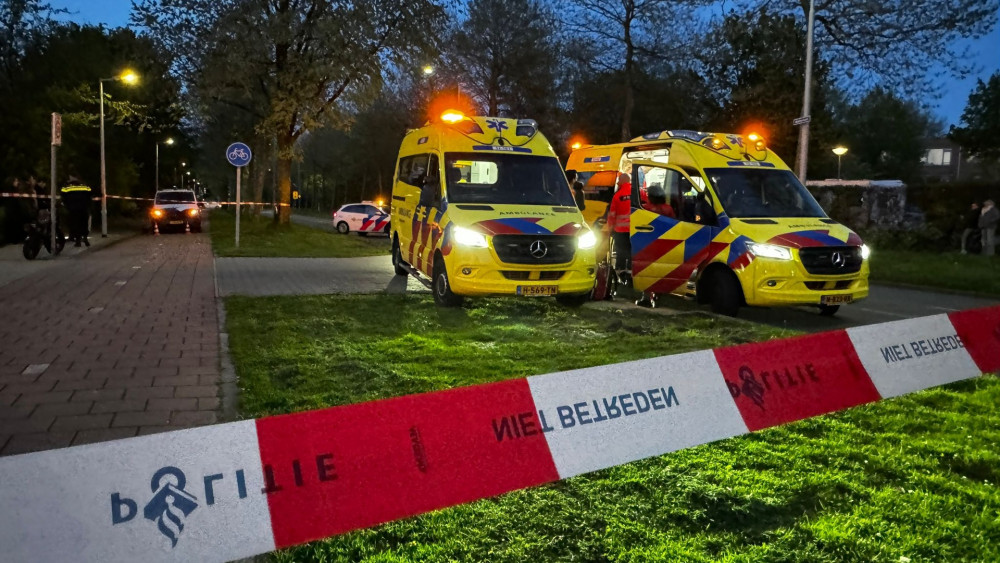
pixel 944 161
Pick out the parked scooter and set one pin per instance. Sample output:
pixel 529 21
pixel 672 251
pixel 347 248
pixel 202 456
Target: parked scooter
pixel 39 234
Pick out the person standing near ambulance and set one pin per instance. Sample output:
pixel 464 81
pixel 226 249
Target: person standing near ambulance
pixel 619 213
pixel 76 198
pixel 988 219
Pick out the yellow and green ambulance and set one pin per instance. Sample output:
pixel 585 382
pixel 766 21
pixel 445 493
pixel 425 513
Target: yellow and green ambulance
pixel 481 206
pixel 720 218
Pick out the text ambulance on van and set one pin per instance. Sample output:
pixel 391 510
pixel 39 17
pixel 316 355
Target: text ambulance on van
pixel 721 218
pixel 480 205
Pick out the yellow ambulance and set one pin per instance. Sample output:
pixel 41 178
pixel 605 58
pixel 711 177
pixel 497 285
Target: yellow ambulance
pixel 481 206
pixel 720 218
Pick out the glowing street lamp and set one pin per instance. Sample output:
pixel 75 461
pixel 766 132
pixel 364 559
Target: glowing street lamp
pixel 839 151
pixel 428 70
pixel 168 141
pixel 131 78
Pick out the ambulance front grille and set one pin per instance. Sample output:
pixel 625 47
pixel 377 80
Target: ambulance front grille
pixel 831 260
pixel 521 249
pixel 523 275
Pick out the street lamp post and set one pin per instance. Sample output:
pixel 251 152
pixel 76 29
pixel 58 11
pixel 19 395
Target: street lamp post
pixel 803 152
pixel 168 142
pixel 128 77
pixel 839 151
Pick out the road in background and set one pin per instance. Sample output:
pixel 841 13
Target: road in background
pixel 885 303
pixel 310 276
pixel 318 276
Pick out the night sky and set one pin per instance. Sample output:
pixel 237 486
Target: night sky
pixel 114 13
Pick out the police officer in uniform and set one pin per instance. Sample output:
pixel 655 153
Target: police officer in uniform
pixel 76 198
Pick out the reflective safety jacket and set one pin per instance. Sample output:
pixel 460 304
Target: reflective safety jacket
pixel 76 197
pixel 621 208
pixel 75 188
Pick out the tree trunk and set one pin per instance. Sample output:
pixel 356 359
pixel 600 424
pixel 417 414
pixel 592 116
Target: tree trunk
pixel 258 171
pixel 284 170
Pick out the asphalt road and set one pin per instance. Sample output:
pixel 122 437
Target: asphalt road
pixel 253 277
pixel 324 223
pixel 884 304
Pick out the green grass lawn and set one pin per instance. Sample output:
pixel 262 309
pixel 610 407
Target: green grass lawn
pixel 260 237
pixel 906 478
pixel 948 270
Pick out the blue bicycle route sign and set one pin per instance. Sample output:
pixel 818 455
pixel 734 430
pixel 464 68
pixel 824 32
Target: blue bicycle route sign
pixel 238 154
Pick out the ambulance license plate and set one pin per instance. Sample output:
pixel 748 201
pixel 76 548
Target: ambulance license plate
pixel 531 290
pixel 835 299
pixel 177 222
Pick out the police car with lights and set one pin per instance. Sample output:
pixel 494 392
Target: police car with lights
pixel 363 218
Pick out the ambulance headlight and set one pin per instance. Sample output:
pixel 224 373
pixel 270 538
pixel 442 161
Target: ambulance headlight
pixel 866 251
pixel 468 237
pixel 586 240
pixel 776 252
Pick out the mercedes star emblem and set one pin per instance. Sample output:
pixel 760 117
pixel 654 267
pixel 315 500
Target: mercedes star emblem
pixel 538 249
pixel 837 259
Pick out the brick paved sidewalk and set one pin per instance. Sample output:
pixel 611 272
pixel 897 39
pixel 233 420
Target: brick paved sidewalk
pixel 117 343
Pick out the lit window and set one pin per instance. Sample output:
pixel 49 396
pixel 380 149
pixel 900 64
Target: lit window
pixel 946 157
pixel 935 157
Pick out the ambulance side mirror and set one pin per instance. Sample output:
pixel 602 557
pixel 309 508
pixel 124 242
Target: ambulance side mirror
pixel 706 209
pixel 430 192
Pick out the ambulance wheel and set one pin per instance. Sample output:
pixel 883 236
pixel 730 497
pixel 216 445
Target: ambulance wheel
pixel 342 228
pixel 828 310
pixel 397 258
pixel 572 299
pixel 443 295
pixel 726 294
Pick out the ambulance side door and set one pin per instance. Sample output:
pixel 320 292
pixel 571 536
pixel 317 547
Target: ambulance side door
pixel 405 199
pixel 669 240
pixel 428 216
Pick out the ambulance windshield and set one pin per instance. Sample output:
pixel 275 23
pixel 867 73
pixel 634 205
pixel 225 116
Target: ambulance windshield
pixel 506 179
pixel 761 192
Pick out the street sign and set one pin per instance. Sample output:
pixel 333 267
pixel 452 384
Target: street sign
pixel 238 154
pixel 801 120
pixel 56 129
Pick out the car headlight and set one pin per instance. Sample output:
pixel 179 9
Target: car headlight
pixel 157 213
pixel 586 240
pixel 468 237
pixel 192 212
pixel 774 251
pixel 866 251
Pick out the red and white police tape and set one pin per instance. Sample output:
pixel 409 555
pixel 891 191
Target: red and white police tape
pixel 98 198
pixel 233 490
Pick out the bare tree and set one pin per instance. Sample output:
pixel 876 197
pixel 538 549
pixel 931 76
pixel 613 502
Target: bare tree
pixel 307 63
pixel 621 33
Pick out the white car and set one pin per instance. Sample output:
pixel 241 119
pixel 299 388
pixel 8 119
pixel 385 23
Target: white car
pixel 363 218
pixel 175 209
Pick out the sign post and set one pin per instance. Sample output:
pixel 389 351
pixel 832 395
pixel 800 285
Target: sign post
pixel 56 142
pixel 239 155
